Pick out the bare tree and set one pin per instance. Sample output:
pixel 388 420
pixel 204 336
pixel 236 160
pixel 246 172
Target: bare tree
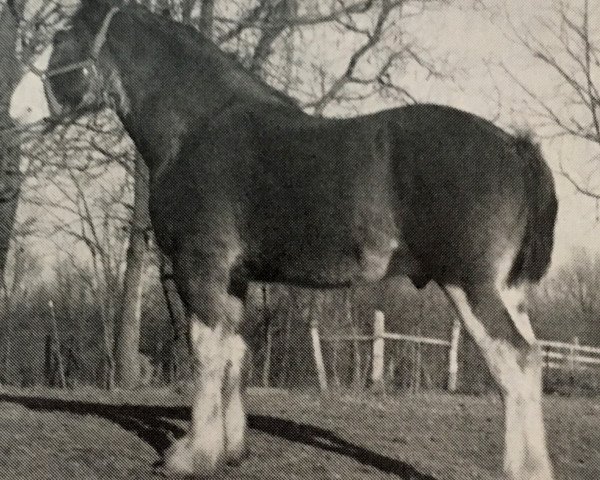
pixel 567 43
pixel 10 177
pixel 20 264
pixel 180 361
pixel 97 226
pixel 127 332
pixel 207 14
pixel 373 37
pixel 276 17
pixel 378 48
pixel 570 296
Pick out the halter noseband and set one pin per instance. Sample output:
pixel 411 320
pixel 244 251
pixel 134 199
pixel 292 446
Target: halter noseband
pixel 88 65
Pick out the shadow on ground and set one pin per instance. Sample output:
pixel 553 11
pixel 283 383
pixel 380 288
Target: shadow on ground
pixel 154 425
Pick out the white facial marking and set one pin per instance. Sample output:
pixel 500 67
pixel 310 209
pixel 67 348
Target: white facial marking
pixel 28 103
pixel 43 59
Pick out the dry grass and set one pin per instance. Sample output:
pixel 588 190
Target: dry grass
pixel 93 435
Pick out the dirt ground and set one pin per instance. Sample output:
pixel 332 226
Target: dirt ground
pixel 91 435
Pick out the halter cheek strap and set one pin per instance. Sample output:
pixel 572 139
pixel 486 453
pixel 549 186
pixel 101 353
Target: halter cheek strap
pixel 54 106
pixel 100 39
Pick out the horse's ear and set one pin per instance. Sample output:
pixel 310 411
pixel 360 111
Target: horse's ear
pixel 90 4
pixel 103 3
pixel 99 5
pixel 94 11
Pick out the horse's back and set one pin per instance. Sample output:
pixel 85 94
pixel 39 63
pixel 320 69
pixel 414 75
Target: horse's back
pixel 453 193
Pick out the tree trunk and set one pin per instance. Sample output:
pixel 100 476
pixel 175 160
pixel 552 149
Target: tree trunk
pixel 207 15
pixel 180 356
pixel 10 176
pixel 127 339
pixel 277 15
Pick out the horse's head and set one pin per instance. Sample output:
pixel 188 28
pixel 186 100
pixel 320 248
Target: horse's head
pixel 67 79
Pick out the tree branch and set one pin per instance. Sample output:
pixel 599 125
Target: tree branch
pixel 373 38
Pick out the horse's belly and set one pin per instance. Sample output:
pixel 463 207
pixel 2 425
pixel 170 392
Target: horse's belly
pixel 347 261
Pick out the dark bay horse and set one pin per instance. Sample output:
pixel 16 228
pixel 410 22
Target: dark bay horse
pixel 245 186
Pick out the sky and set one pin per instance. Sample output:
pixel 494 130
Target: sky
pixel 482 47
pixel 478 43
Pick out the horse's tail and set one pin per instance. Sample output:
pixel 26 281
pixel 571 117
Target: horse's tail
pixel 533 258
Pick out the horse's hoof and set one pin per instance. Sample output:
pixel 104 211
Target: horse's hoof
pixel 531 474
pixel 182 461
pixel 236 456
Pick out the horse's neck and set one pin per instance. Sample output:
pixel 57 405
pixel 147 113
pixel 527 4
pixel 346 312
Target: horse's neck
pixel 164 111
pixel 199 76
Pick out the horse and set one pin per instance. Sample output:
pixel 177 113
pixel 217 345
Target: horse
pixel 245 186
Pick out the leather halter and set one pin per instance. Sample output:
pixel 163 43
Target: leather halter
pixel 88 66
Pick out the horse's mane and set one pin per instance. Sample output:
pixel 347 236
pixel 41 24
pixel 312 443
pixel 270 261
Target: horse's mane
pixel 93 12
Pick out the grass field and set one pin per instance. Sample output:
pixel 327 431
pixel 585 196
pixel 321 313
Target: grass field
pixel 92 435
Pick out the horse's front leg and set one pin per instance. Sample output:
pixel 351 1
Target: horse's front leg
pixel 202 451
pixel 234 416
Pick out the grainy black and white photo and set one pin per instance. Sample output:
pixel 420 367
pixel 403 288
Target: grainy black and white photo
pixel 300 239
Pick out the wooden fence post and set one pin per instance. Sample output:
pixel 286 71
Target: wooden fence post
pixel 378 350
pixel 573 355
pixel 453 357
pixel 48 370
pixel 57 352
pixel 316 343
pixel 266 371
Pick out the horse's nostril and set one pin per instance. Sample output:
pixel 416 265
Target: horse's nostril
pixel 29 109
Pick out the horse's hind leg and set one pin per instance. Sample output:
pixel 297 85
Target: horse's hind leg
pixel 496 319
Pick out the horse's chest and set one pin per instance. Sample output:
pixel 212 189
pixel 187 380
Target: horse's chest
pixel 181 207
